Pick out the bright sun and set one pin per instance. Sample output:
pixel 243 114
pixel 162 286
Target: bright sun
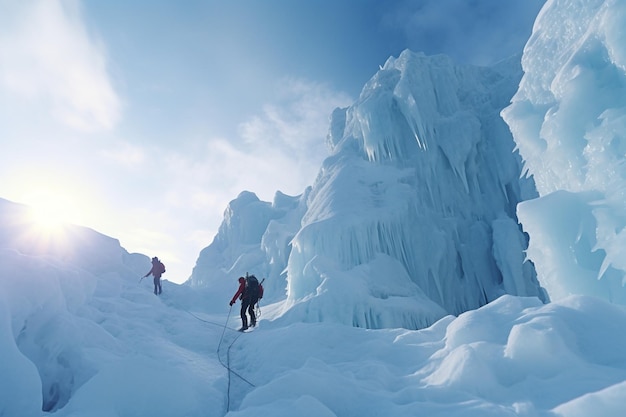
pixel 48 218
pixel 51 212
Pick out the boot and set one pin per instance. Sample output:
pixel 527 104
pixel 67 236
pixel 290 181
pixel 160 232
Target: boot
pixel 244 324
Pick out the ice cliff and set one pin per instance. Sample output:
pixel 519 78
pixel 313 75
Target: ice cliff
pixel 411 217
pixel 569 121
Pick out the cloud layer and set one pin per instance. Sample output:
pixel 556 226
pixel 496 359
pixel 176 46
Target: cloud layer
pixel 47 54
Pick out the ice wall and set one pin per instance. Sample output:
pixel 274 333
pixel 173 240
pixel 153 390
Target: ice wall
pixel 423 172
pixel 568 119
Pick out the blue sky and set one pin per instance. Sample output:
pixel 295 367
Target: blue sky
pixel 143 119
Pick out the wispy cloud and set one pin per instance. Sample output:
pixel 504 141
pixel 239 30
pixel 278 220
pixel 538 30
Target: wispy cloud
pixel 125 154
pixel 47 54
pixel 287 140
pixel 280 149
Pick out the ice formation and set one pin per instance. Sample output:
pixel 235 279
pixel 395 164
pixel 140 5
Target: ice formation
pixel 422 173
pixel 418 196
pixel 254 237
pixel 569 122
pixel 398 220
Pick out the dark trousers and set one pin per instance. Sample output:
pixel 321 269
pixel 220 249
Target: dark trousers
pixel 157 285
pixel 247 304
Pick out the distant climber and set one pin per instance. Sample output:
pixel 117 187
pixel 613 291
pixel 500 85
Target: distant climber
pixel 250 292
pixel 157 270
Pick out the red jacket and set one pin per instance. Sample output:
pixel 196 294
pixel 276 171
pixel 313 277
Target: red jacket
pixel 157 269
pixel 241 290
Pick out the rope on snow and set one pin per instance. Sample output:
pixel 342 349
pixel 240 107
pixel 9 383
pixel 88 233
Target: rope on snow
pixel 227 364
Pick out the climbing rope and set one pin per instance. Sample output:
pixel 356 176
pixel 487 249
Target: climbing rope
pixel 219 345
pixel 210 322
pixel 227 365
pixel 219 358
pixel 224 331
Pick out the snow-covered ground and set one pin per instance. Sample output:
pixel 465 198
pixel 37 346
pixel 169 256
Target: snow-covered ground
pixel 104 345
pixel 81 334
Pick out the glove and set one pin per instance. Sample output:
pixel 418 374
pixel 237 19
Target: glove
pixel 231 303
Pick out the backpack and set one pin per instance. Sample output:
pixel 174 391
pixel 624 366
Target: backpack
pixel 162 267
pixel 252 285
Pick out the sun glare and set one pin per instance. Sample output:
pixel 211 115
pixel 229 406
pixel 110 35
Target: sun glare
pixel 48 219
pixel 51 213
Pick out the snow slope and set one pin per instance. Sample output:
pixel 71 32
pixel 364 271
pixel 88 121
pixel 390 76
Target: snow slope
pixel 76 341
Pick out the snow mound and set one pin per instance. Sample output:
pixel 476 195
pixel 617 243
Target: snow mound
pixel 512 357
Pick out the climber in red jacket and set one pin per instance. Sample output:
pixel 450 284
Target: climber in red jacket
pixel 157 270
pixel 250 291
